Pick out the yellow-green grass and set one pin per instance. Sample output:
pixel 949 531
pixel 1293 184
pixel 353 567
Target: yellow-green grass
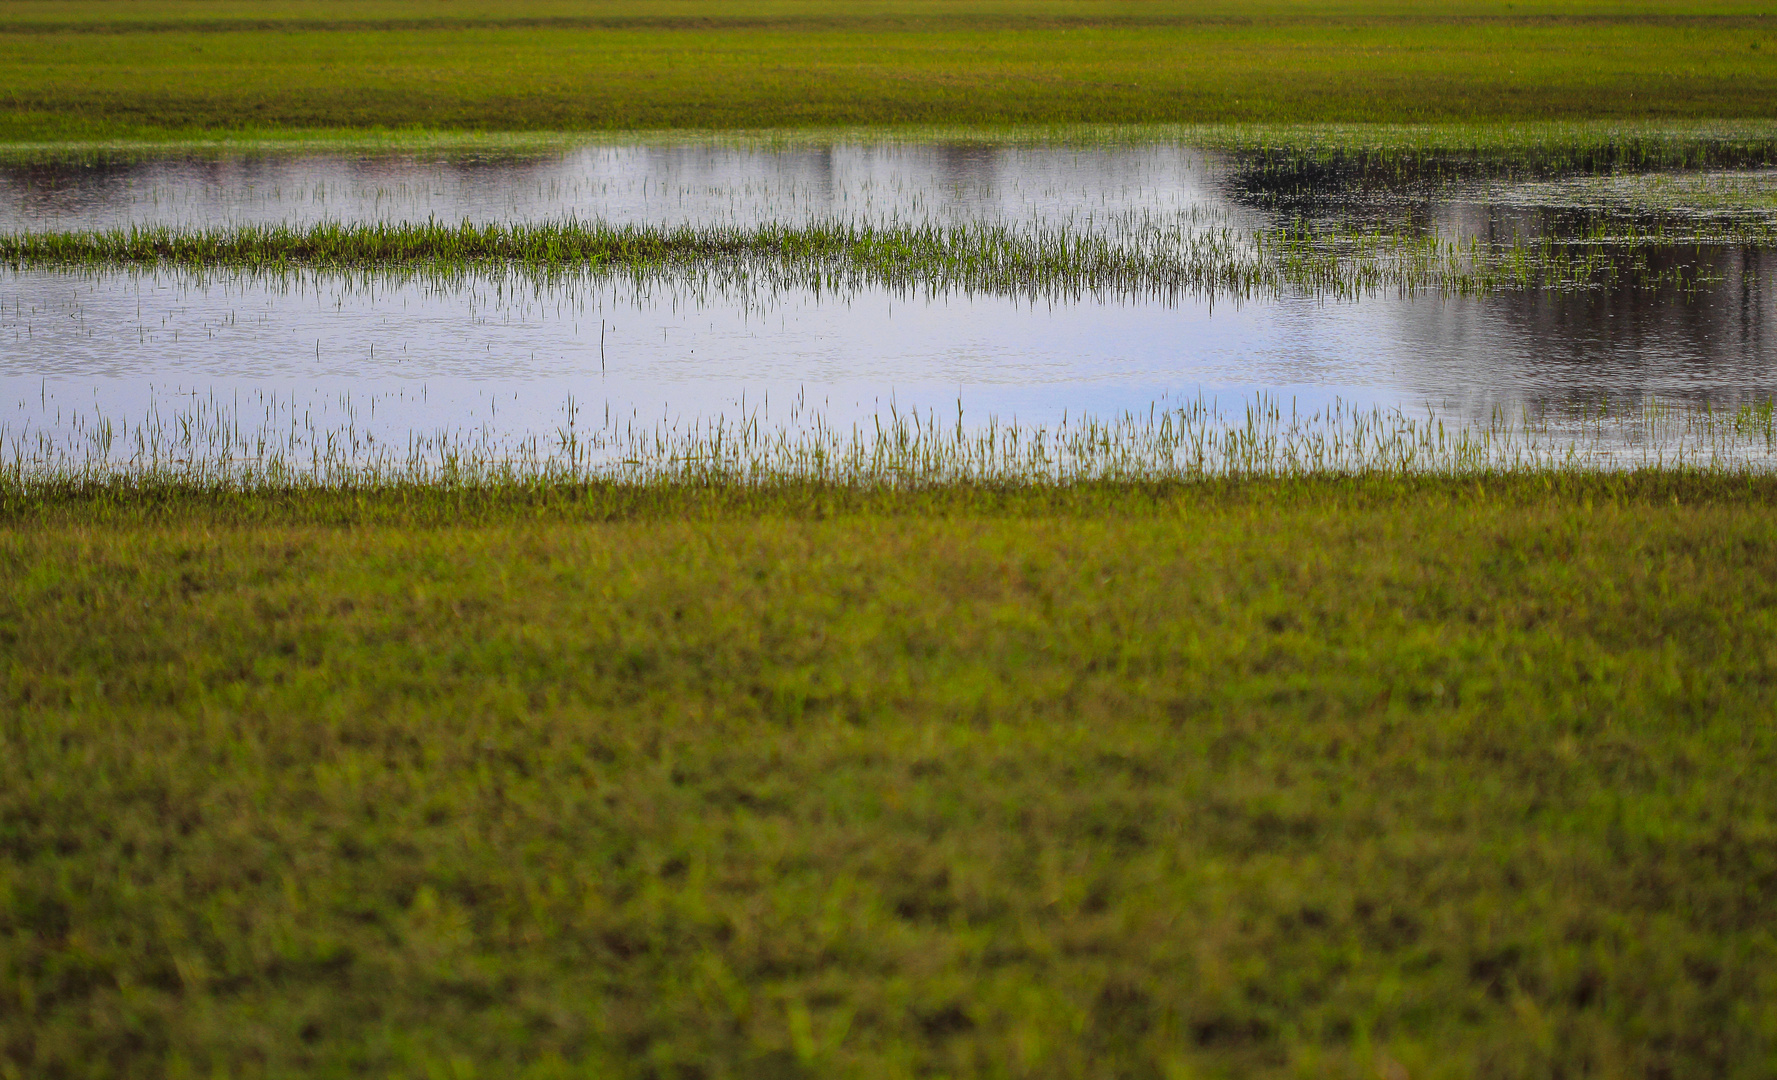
pixel 118 68
pixel 1361 777
pixel 1496 147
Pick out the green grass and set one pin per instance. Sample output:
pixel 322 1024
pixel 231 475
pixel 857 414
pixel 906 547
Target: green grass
pixel 1324 751
pixel 1490 147
pixel 1132 255
pixel 1317 777
pixel 119 68
pixel 279 442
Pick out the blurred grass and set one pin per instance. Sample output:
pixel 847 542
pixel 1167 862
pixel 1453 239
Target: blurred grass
pixel 119 68
pixel 1502 148
pixel 1330 777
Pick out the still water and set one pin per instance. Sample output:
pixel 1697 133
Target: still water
pixel 509 351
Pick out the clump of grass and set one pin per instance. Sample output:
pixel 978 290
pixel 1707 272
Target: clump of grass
pixel 1130 255
pixel 207 441
pixel 1305 158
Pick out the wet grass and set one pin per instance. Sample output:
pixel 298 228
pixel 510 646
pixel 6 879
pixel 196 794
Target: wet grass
pixel 1331 776
pixel 206 442
pixel 1749 192
pixel 1128 254
pixel 91 70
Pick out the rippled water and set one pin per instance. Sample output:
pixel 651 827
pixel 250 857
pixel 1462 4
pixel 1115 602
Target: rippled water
pixel 511 350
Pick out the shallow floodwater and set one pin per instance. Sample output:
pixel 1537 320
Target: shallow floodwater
pixel 511 351
pixel 697 184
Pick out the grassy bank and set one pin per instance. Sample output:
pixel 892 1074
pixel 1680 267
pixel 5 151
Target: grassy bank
pixel 117 69
pixel 1318 777
pixel 1500 148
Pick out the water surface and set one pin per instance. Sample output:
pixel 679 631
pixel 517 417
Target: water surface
pixel 511 350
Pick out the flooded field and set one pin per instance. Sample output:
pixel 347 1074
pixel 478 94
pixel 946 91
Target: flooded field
pixel 1464 296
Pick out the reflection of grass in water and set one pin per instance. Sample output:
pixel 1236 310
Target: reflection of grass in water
pixel 1127 254
pixel 1387 774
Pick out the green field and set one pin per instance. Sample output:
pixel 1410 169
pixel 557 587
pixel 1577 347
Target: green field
pixel 1151 748
pixel 90 69
pixel 1318 778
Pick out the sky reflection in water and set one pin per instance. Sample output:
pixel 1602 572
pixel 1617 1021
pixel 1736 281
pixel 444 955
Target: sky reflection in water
pixel 510 352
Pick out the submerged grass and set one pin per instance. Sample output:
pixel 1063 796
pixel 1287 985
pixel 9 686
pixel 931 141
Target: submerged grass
pixel 1317 776
pixel 208 442
pixel 1124 255
pixel 1751 193
pixel 1352 155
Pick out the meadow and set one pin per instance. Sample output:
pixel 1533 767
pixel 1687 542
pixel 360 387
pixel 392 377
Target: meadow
pixel 1384 776
pixel 1180 746
pixel 1356 744
pixel 108 69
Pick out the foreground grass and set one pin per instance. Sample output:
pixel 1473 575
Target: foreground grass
pixel 107 69
pixel 1306 777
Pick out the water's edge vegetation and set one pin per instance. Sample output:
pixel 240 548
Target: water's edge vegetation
pixel 1138 258
pixel 211 442
pixel 171 501
pixel 1492 147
